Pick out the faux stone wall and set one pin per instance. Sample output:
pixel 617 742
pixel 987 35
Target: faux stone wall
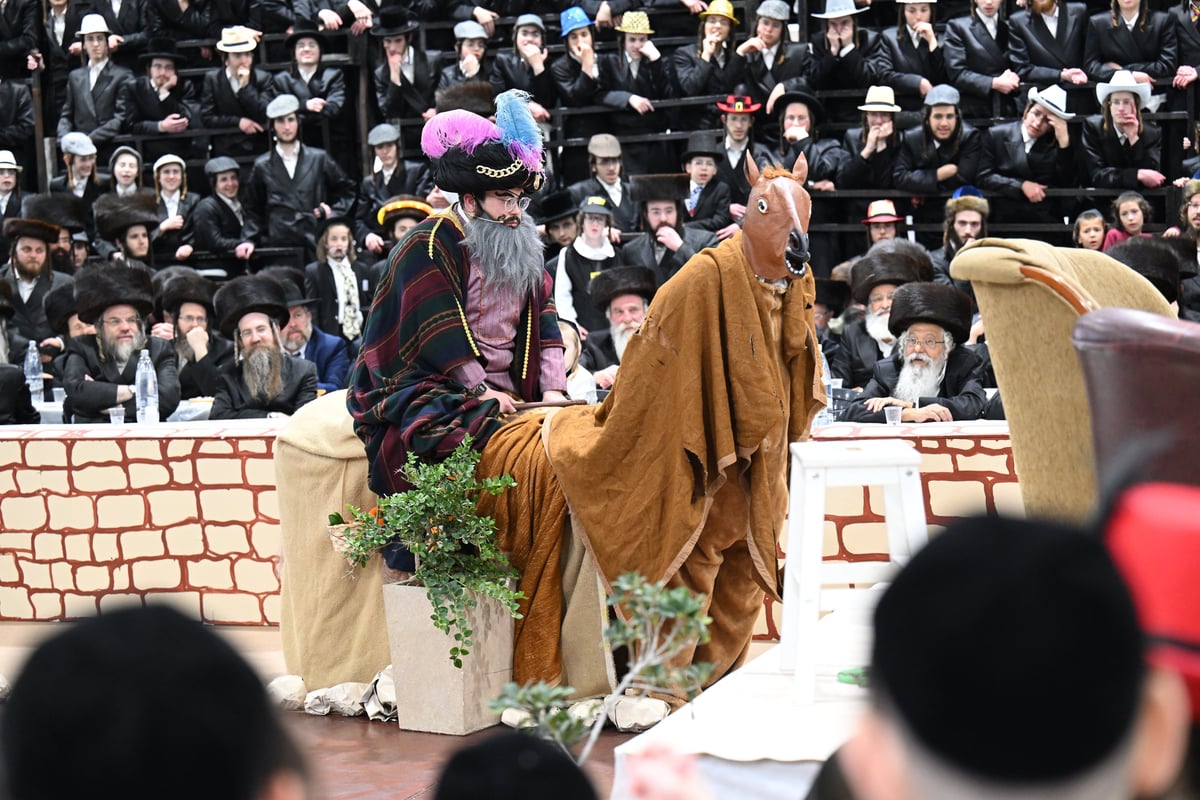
pixel 96 516
pixel 966 469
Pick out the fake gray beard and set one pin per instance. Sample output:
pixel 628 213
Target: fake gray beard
pixel 263 370
pixel 920 377
pixel 510 258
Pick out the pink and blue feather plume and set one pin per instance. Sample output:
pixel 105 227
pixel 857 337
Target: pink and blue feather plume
pixel 518 130
pixel 457 129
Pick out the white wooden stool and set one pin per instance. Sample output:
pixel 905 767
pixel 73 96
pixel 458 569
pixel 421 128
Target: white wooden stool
pixel 891 464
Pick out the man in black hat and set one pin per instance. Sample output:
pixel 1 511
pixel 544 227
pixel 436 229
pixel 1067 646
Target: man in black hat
pixel 667 243
pixel 707 203
pixel 1008 663
pixel 431 343
pixel 101 370
pixel 557 219
pixel 395 176
pixel 738 113
pixel 30 277
pixel 873 280
pixel 187 302
pixel 406 77
pixel 220 219
pixel 343 284
pixel 931 376
pixel 622 294
pixel 158 103
pixel 16 404
pixel 65 211
pixel 261 381
pixel 293 187
pixel 63 318
pixel 236 94
pixel 321 90
pixel 300 339
pixel 125 221
pixel 828 306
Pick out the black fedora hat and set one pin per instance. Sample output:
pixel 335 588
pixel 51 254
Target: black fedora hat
pixel 815 110
pixel 289 44
pixel 558 205
pixel 394 21
pixel 703 143
pixel 162 48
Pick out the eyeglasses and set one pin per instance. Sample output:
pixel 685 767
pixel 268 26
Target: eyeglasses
pixel 511 204
pixel 1193 206
pixel 926 344
pixel 876 299
pixel 191 320
pixel 114 322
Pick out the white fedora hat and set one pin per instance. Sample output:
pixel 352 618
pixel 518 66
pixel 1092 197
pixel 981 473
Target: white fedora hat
pixel 836 9
pixel 1122 81
pixel 8 160
pixel 92 23
pixel 1053 99
pixel 880 98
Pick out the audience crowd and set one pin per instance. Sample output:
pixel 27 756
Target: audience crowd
pixel 204 142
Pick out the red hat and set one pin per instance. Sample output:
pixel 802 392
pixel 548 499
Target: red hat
pixel 882 211
pixel 739 104
pixel 1153 533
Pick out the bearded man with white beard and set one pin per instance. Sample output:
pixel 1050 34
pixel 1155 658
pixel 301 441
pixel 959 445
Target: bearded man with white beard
pixel 261 381
pixel 874 278
pixel 100 371
pixel 623 294
pixel 930 377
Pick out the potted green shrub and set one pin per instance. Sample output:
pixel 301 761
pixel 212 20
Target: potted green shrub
pixel 463 583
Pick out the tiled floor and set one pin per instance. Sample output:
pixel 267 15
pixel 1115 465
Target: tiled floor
pixel 351 758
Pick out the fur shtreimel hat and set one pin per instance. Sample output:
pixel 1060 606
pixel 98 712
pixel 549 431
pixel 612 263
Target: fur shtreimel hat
pixel 832 294
pixel 993 623
pixel 1154 260
pixel 612 283
pixel 59 305
pixel 675 187
pixel 116 214
pixel 102 286
pixel 474 96
pixel 923 301
pixel 471 155
pixel 56 208
pixel 966 202
pixel 248 294
pixel 194 288
pixel 18 227
pixel 894 261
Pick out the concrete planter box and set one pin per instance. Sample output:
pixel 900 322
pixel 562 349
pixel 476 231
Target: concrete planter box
pixel 445 699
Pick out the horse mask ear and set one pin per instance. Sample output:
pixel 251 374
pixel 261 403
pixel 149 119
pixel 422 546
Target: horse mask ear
pixel 752 169
pixel 799 169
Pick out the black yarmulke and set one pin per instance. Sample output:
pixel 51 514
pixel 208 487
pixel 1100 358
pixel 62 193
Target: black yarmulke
pixel 1011 649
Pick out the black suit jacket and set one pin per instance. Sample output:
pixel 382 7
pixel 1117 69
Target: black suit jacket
pixel 165 20
pixel 898 64
pixel 625 215
pixel 1187 37
pixel 11 211
pixel 319 283
pixel 98 111
pixel 16 120
pixel 1152 48
pixel 791 65
pixel 712 208
pixel 734 175
pixel 280 208
pixel 828 70
pixel 510 71
pixel 16 405
pixel 854 362
pixel 166 243
pixel 973 58
pixel 327 83
pixel 144 110
pixel 653 82
pixel 233 399
pixel 90 398
pixel 1005 165
pixel 29 317
pixel 695 77
pixel 217 229
pixel 1112 165
pixel 876 172
pixel 640 252
pixel 410 177
pixel 220 107
pixel 406 99
pixel 200 378
pixel 130 24
pixel 918 161
pixel 960 391
pixel 1040 58
pixel 18 35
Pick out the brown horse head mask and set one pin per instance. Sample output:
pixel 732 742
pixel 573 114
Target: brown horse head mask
pixel 775 228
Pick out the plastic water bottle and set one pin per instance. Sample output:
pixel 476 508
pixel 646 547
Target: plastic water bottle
pixel 825 416
pixel 33 373
pixel 147 389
